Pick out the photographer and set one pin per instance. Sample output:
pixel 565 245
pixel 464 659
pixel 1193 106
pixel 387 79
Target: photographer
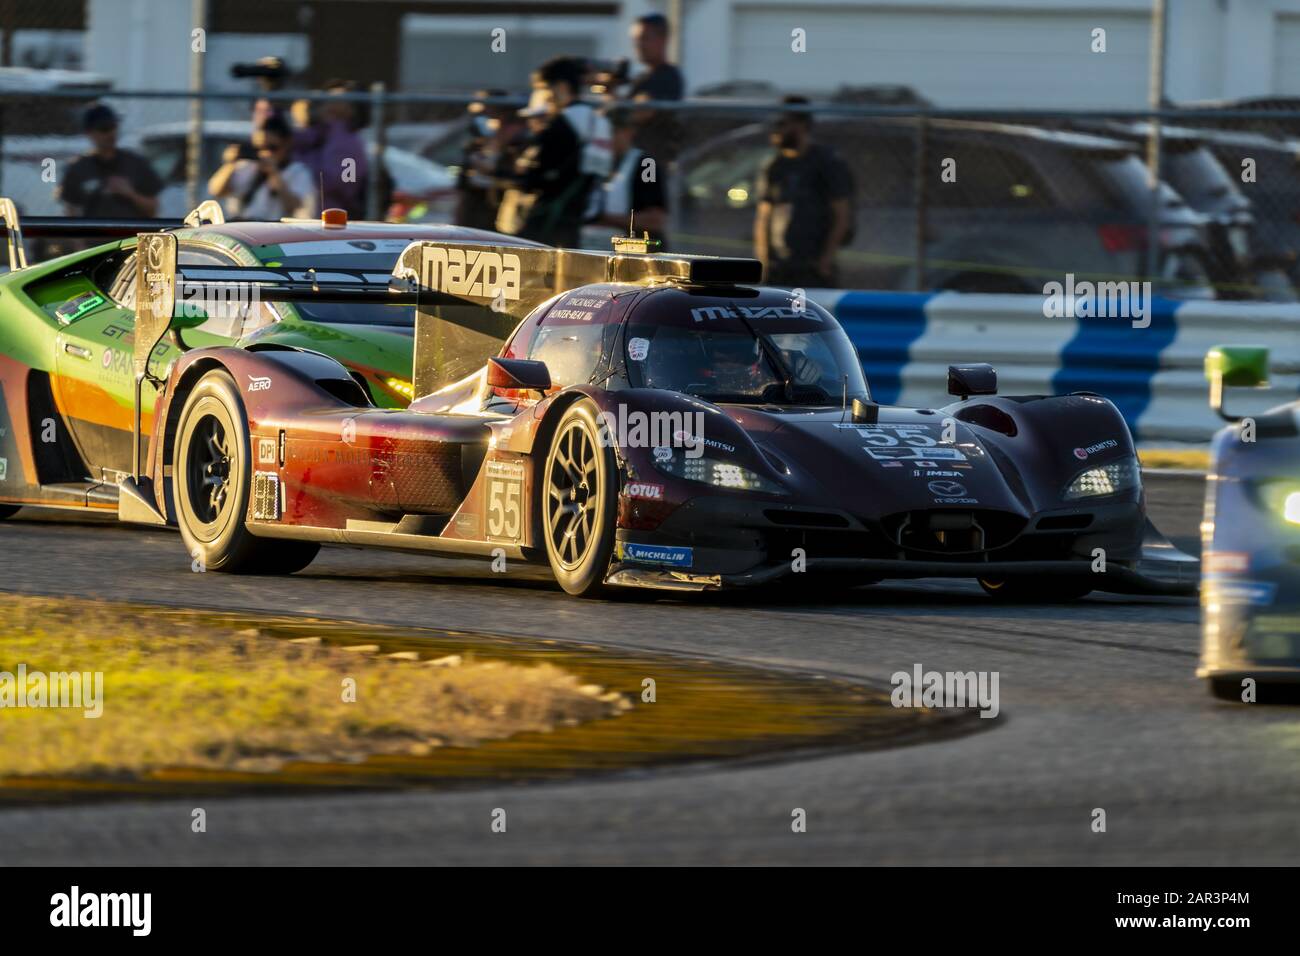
pixel 498 136
pixel 268 188
pixel 568 153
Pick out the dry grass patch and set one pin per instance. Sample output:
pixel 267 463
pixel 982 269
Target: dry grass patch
pixel 197 696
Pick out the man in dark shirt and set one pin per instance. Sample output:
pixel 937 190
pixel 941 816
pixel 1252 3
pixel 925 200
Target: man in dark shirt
pixel 107 182
pixel 659 133
pixel 804 206
pixel 551 184
pixel 633 195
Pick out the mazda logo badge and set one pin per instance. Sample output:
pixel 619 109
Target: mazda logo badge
pixel 948 489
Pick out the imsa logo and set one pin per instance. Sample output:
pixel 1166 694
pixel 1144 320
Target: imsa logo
pixel 471 272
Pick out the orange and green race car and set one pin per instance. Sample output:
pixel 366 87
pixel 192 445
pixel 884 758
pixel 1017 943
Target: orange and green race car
pixel 67 325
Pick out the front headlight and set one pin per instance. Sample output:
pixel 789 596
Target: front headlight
pixel 401 387
pixel 1109 479
pixel 711 471
pixel 1280 497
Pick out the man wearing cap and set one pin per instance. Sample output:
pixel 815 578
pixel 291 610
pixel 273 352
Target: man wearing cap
pixel 108 182
pixel 805 204
pixel 568 154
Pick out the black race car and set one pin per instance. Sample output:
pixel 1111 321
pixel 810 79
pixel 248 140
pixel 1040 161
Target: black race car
pixel 652 420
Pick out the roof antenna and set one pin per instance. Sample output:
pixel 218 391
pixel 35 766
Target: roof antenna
pixel 320 175
pixel 631 244
pixel 844 399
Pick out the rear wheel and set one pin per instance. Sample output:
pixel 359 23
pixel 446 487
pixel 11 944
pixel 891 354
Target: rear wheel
pixel 579 491
pixel 212 473
pixel 1044 590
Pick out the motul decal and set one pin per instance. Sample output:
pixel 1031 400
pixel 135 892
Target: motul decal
pixel 644 489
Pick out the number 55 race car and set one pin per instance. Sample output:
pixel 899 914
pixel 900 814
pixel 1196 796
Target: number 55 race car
pixel 651 421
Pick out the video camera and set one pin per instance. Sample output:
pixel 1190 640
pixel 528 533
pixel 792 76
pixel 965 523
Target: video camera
pixel 271 70
pixel 606 76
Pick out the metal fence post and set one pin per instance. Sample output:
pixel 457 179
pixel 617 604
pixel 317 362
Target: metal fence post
pixel 1157 95
pixel 194 139
pixel 922 181
pixel 375 171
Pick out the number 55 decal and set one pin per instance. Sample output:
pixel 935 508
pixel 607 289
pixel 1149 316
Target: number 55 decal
pixel 505 501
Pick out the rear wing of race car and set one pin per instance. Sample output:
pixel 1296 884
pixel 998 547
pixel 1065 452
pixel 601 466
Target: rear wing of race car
pixel 468 297
pixel 475 294
pixel 74 227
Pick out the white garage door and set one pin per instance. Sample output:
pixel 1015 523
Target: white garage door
pixel 957 58
pixel 1286 55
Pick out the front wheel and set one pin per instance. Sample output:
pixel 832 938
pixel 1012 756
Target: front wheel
pixel 1044 590
pixel 579 490
pixel 211 476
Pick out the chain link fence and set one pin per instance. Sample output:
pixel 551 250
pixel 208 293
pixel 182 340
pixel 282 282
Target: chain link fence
pixel 975 201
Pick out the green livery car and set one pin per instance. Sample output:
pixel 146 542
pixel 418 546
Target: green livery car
pixel 66 332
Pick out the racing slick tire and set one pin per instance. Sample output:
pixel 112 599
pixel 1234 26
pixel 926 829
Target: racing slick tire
pixel 1041 590
pixel 212 472
pixel 579 507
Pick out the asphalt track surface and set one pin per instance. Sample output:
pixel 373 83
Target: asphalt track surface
pixel 1099 709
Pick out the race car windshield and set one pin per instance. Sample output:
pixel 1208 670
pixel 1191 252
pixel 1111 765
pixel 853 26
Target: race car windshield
pixel 732 363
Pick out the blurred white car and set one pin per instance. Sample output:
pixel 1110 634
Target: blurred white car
pixel 423 191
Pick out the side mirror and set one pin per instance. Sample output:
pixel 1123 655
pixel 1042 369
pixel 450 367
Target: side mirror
pixel 518 374
pixel 865 413
pixel 1236 366
pixel 977 379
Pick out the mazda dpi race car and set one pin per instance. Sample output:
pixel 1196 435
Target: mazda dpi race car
pixel 1250 595
pixel 66 333
pixel 650 420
